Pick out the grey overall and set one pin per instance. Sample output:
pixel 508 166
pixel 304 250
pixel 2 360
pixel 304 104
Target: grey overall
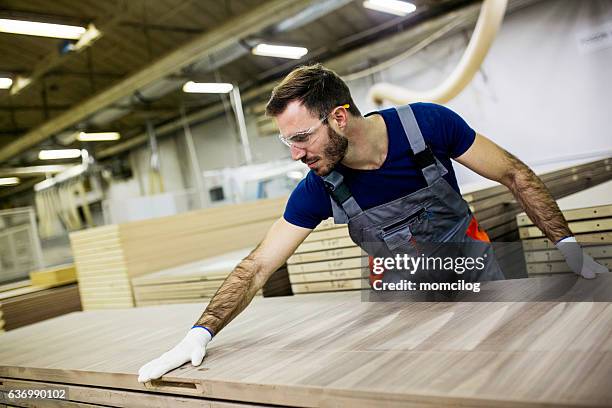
pixel 429 222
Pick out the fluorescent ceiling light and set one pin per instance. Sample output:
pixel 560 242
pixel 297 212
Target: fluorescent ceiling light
pixel 281 51
pixel 88 37
pixel 59 154
pixel 20 83
pixel 5 83
pixel 9 181
pixel 207 87
pixel 41 29
pixel 98 137
pixel 399 8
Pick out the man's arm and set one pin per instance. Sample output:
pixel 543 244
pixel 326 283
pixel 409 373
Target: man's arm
pixel 491 161
pixel 233 296
pixel 251 274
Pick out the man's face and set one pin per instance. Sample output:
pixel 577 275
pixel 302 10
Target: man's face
pixel 324 148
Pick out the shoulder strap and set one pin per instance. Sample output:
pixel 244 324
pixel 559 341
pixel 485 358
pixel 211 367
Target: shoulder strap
pixel 340 194
pixel 431 168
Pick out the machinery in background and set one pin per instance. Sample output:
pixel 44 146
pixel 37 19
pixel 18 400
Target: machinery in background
pixel 20 249
pixel 224 186
pixel 252 182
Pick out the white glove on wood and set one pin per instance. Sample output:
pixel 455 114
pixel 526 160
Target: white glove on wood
pixel 191 348
pixel 581 263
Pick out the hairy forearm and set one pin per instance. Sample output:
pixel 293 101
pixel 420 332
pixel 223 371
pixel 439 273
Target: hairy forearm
pixel 536 200
pixel 233 296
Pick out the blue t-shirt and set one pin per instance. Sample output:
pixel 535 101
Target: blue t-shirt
pixel 445 132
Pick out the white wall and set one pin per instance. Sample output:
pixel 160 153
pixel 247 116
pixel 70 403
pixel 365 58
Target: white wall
pixel 537 95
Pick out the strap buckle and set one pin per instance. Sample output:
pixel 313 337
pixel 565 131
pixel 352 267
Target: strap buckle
pixel 334 184
pixel 424 158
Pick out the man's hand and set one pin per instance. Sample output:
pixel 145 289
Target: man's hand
pixel 580 262
pixel 191 348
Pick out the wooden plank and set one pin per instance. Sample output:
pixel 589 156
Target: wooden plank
pixel 558 267
pixel 602 211
pixel 584 239
pixel 341 232
pixel 27 307
pixel 58 275
pixel 329 254
pixel 325 244
pixel 330 286
pixel 328 265
pixel 354 353
pixel 329 275
pixel 80 396
pixel 578 227
pixel 596 252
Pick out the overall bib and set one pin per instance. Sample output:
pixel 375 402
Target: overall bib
pixel 434 221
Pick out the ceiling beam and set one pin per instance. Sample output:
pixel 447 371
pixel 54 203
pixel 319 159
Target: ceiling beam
pixel 340 64
pixel 33 171
pixel 227 33
pixel 161 27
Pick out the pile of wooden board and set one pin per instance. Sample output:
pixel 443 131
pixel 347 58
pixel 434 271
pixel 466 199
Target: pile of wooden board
pixel 22 303
pixel 332 349
pixel 589 215
pixel 54 276
pixel 328 261
pixel 496 209
pixel 108 257
pixel 195 282
pixel 278 284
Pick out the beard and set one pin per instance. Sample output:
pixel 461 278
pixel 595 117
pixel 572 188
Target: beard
pixel 333 152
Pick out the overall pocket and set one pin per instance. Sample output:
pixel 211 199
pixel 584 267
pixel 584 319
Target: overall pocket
pixel 398 233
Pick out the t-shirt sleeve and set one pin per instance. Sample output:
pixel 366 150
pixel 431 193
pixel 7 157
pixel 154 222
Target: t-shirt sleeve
pixel 455 134
pixel 308 204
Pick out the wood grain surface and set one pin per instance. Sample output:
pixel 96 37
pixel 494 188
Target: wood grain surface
pixel 337 350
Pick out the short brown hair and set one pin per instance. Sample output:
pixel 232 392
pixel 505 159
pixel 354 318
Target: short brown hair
pixel 318 88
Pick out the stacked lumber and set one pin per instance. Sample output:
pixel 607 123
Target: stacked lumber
pixel 54 276
pixel 278 284
pixel 108 257
pixel 333 349
pixel 589 215
pixel 195 282
pixel 496 209
pixel 22 303
pixel 328 261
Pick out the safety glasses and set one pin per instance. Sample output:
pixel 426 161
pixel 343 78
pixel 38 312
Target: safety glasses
pixel 304 138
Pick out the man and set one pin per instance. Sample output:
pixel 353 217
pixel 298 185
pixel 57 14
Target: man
pixel 382 167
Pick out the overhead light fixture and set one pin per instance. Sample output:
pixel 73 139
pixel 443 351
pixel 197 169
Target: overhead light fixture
pixel 397 7
pixel 98 136
pixel 281 51
pixel 207 87
pixel 9 181
pixel 5 83
pixel 41 29
pixel 20 83
pixel 59 154
pixel 88 37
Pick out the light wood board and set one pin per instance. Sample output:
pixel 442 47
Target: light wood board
pixel 336 350
pixel 118 253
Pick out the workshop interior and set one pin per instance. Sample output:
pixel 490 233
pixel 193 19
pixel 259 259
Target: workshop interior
pixel 145 180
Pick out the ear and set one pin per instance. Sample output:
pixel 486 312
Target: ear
pixel 341 116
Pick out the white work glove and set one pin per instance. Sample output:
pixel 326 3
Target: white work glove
pixel 581 263
pixel 191 348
